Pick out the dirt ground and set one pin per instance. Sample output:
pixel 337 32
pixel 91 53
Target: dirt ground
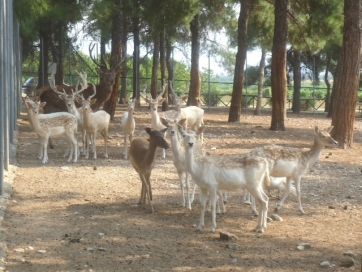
pixel 84 216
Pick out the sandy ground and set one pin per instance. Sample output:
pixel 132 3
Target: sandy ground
pixel 84 216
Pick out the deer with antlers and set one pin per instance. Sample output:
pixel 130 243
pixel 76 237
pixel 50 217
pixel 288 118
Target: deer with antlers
pixel 104 88
pixel 94 122
pixel 70 100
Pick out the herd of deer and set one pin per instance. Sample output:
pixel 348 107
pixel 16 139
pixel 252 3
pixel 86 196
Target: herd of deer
pixel 263 168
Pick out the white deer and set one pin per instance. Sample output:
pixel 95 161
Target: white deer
pixel 128 123
pixel 94 122
pixel 193 114
pixel 292 162
pixel 155 117
pixel 175 127
pixel 142 157
pixel 70 99
pixel 226 173
pixel 52 124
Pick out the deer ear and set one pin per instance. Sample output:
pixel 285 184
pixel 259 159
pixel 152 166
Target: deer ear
pixel 160 101
pixel 316 129
pixel 163 130
pixel 93 101
pixel 27 104
pixel 329 129
pixel 125 100
pixel 42 104
pixel 148 130
pixel 200 130
pixel 182 122
pixel 164 122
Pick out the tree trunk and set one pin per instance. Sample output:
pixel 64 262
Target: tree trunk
pixel 328 95
pixel 297 78
pixel 43 60
pixel 261 82
pixel 136 55
pixel 236 96
pixel 195 84
pixel 346 83
pixel 124 68
pixel 169 65
pixel 116 56
pixel 163 69
pixel 155 64
pixel 278 66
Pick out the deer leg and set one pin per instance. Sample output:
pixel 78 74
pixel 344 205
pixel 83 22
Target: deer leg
pixel 297 188
pixel 125 146
pixel 148 192
pixel 104 134
pixel 221 199
pixel 213 196
pixel 180 177
pixel 87 146
pixel 51 143
pixel 285 195
pixel 187 180
pixel 45 151
pixel 203 199
pixel 40 155
pixel 94 134
pixel 193 193
pixel 262 200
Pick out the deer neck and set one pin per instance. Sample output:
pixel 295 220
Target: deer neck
pixel 149 158
pixel 191 164
pixel 315 152
pixel 86 117
pixel 34 117
pixel 176 146
pixel 129 117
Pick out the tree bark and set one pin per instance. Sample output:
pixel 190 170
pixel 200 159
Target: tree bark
pixel 328 94
pixel 195 84
pixel 261 82
pixel 169 65
pixel 155 64
pixel 346 83
pixel 124 68
pixel 297 78
pixel 136 56
pixel 116 56
pixel 163 69
pixel 278 66
pixel 236 96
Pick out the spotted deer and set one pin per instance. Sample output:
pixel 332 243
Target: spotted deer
pixel 70 100
pixel 212 173
pixel 53 124
pixel 292 162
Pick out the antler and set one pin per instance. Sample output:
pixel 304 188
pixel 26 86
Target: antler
pixel 84 84
pixel 94 92
pixel 147 95
pixel 53 86
pixel 163 91
pixel 93 59
pixel 122 60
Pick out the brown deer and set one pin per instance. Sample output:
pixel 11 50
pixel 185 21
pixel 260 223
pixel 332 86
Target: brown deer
pixel 104 89
pixel 142 157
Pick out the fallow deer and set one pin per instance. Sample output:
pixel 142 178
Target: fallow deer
pixel 292 162
pixel 213 173
pixel 142 157
pixel 128 123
